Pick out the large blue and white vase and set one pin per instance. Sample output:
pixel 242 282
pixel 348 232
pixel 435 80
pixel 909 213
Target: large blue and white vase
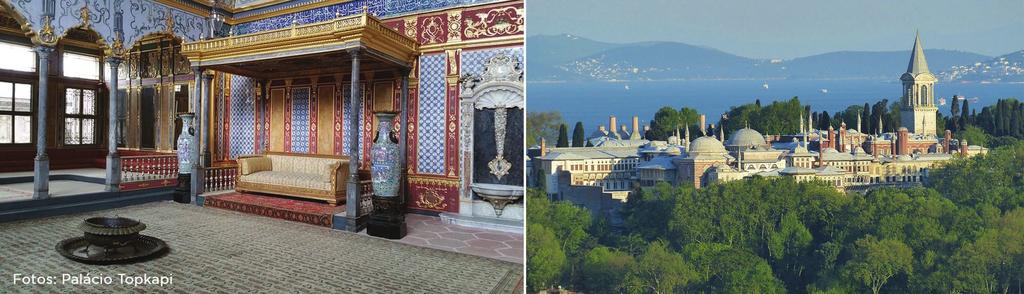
pixel 384 168
pixel 184 144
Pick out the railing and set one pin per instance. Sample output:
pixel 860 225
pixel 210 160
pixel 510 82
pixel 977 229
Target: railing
pixel 148 171
pixel 326 28
pixel 219 178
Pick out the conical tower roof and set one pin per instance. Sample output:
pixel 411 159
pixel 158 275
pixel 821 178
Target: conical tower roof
pixel 917 64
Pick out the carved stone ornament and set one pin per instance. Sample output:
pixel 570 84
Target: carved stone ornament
pixel 499 87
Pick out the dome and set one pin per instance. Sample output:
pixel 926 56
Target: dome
pixel 706 144
pixel 746 137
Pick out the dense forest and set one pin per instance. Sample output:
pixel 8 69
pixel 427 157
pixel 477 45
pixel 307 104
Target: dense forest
pixel 963 232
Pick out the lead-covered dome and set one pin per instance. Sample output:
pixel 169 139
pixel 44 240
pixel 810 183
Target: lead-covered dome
pixel 746 137
pixel 706 144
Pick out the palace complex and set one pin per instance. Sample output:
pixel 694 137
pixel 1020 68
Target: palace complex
pixel 844 158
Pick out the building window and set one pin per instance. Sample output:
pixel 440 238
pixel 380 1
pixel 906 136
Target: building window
pixel 17 57
pixel 81 66
pixel 79 117
pixel 15 113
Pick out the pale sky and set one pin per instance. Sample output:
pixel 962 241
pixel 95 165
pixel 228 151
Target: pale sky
pixel 790 28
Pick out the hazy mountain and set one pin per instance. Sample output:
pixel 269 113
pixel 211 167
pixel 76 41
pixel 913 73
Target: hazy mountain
pixel 1005 68
pixel 566 57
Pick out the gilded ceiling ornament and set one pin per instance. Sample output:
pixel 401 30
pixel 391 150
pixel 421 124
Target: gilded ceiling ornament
pixel 496 22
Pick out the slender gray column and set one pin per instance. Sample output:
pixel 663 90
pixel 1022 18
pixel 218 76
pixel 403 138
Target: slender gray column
pixel 113 159
pixel 352 209
pixel 205 120
pixel 196 187
pixel 403 137
pixel 41 189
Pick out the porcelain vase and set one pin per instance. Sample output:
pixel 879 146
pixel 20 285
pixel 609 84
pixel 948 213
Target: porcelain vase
pixel 385 171
pixel 184 144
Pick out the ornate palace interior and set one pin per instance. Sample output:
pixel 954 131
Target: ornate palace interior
pixel 93 100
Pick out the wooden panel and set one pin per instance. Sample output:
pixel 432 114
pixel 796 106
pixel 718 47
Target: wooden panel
pixel 383 93
pixel 325 119
pixel 277 120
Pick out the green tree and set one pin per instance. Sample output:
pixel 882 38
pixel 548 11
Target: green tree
pixel 974 135
pixel 542 125
pixel 563 136
pixel 604 270
pixel 659 270
pixel 578 137
pixel 876 261
pixel 544 258
pixel 954 114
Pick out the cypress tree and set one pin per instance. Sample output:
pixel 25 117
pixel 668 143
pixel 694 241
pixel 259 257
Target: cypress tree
pixel 865 120
pixel 954 114
pixel 964 113
pixel 577 135
pixel 563 136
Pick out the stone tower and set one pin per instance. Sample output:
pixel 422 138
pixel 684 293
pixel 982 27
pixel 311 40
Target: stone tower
pixel 918 110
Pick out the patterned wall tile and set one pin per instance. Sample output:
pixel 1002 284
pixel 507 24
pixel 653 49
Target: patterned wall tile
pixel 300 119
pixel 380 8
pixel 473 60
pixel 431 108
pixel 243 116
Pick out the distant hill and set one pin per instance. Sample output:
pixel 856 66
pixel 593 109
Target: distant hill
pixel 569 58
pixel 1005 68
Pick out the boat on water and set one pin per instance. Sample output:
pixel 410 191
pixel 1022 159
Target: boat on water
pixel 823 90
pixel 765 85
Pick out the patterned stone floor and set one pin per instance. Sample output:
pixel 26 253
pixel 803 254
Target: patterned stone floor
pixel 429 231
pixel 216 251
pixel 58 188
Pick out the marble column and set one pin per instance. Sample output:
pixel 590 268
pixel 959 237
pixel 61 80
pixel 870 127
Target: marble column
pixel 354 222
pixel 41 189
pixel 196 188
pixel 113 159
pixel 205 120
pixel 403 137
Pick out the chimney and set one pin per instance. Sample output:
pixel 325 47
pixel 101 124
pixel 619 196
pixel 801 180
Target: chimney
pixel 841 142
pixel 603 130
pixel 831 137
pixel 611 127
pixel 543 147
pixel 963 147
pixel 946 140
pixel 901 144
pixel 874 149
pixel 703 125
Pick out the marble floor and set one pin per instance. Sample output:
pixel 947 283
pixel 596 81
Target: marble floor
pixel 58 188
pixel 430 232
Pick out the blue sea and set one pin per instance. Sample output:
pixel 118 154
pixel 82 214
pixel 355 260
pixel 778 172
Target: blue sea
pixel 593 102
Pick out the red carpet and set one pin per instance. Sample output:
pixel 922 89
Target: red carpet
pixel 310 212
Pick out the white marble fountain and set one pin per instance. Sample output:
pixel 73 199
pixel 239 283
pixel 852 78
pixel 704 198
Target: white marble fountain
pixel 497 206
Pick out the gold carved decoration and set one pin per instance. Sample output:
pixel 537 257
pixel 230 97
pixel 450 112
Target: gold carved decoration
pixel 453 63
pixel 117 48
pixel 454 26
pixel 410 27
pixel 169 22
pixel 83 14
pixel 434 181
pixel 431 199
pixel 496 22
pixel 433 30
pixel 46 35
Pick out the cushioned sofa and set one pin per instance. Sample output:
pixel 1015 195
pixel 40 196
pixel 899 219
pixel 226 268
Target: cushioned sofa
pixel 321 177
